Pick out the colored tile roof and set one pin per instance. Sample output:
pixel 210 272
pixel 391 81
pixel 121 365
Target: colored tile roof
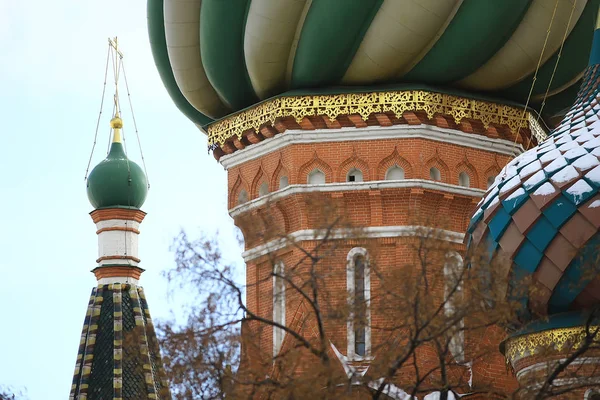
pixel 118 355
pixel 543 211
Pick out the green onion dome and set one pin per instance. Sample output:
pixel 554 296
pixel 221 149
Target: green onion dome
pixel 218 57
pixel 117 181
pixel 543 212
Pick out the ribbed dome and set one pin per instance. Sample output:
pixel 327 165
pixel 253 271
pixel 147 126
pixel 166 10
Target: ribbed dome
pixel 543 212
pixel 117 181
pixel 217 57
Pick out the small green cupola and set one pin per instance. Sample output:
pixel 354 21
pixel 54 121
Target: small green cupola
pixel 117 182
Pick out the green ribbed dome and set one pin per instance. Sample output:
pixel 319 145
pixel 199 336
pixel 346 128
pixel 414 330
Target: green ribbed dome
pixel 117 181
pixel 218 57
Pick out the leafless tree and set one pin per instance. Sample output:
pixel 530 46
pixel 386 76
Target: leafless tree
pixel 429 317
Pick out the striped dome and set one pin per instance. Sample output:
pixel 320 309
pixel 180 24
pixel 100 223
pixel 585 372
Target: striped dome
pixel 217 57
pixel 543 212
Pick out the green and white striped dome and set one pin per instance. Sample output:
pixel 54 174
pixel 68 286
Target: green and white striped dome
pixel 217 57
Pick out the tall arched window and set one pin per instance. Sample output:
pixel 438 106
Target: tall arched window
pixel 490 181
pixel 278 305
pixel 316 177
pixel 464 180
pixel 453 296
pixel 263 190
pixel 354 175
pixel 435 174
pixel 394 173
pixel 359 298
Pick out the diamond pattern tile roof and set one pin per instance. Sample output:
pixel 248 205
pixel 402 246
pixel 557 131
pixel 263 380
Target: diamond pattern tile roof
pixel 118 355
pixel 543 212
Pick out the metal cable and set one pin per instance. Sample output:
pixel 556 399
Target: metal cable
pixel 537 68
pixel 99 115
pixel 539 116
pixel 135 125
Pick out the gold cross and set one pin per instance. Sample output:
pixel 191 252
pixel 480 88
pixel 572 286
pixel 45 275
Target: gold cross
pixel 115 45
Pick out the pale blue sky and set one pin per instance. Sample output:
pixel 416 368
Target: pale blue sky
pixel 52 65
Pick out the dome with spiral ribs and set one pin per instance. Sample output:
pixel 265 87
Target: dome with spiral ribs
pixel 543 212
pixel 218 57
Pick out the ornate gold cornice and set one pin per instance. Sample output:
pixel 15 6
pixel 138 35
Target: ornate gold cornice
pixel 365 104
pixel 550 340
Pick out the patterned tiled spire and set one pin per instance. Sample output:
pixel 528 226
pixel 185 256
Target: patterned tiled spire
pixel 118 356
pixel 543 211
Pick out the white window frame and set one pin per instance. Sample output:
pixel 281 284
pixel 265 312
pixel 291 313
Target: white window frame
pixel 352 255
pixel 279 308
pixel 457 342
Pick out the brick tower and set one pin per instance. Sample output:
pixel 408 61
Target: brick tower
pixel 399 116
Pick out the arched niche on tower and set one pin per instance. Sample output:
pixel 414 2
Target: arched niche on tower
pixel 436 170
pixel 393 163
pixel 466 175
pixel 312 166
pixel 353 167
pixel 260 184
pixel 238 194
pixel 281 177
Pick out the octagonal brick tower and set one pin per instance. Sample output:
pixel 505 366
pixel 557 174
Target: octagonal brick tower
pixel 401 112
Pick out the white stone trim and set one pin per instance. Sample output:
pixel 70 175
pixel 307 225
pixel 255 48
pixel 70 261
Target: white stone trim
pixel 118 279
pixel 435 133
pixel 352 186
pixel 350 339
pixel 279 306
pixel 368 232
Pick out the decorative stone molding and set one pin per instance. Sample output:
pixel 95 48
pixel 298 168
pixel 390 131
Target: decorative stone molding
pixel 553 339
pixel 117 213
pixel 444 135
pixel 364 105
pixel 367 233
pixel 352 186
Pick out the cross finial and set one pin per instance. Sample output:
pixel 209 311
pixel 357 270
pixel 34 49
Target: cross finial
pixel 118 59
pixel 114 43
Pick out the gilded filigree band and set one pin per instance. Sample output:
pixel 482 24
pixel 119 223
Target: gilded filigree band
pixel 553 339
pixel 365 104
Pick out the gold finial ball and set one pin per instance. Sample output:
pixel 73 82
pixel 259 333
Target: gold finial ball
pixel 116 123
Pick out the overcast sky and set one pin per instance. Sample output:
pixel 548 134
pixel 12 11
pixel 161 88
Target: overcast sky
pixel 53 56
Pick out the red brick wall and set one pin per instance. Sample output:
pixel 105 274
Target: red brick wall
pixel 365 208
pixel 335 159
